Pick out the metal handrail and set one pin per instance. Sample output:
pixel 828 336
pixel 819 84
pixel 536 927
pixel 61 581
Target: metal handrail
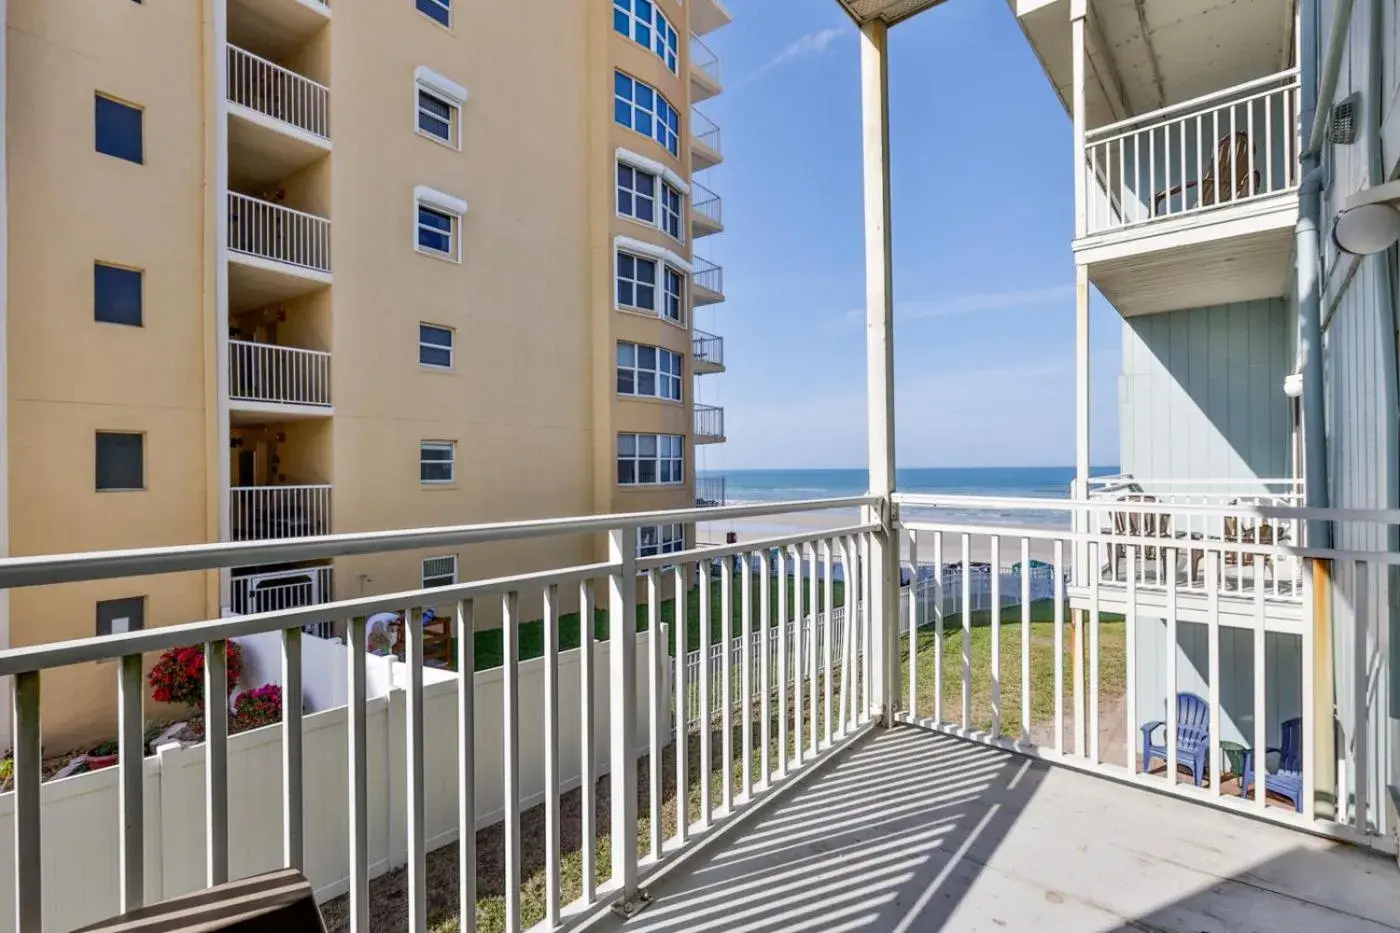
pixel 705 202
pixel 704 130
pixel 1192 104
pixel 706 61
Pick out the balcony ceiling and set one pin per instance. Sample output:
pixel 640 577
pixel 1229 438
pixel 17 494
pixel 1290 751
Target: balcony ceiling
pixel 1147 54
pixel 891 11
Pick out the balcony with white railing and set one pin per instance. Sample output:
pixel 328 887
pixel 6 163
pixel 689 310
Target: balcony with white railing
pixel 279 120
pixel 709 424
pixel 710 492
pixel 707 352
pixel 704 141
pixel 706 216
pixel 282 590
pixel 276 253
pixel 760 793
pixel 708 282
pixel 270 379
pixel 262 513
pixel 1207 186
pixel 704 71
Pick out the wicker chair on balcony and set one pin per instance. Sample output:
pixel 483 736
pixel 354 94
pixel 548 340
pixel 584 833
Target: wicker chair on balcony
pixel 1140 525
pixel 1231 158
pixel 1259 531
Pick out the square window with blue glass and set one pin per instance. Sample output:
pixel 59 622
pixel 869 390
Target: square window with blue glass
pixel 118 129
pixel 437 10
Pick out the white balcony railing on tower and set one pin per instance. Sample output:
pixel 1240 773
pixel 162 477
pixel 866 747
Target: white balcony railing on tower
pixel 1234 145
pixel 709 491
pixel 708 276
pixel 265 372
pixel 706 203
pixel 263 513
pixel 704 130
pixel 271 231
pixel 709 421
pixel 279 590
pixel 707 348
pixel 270 89
pixel 703 59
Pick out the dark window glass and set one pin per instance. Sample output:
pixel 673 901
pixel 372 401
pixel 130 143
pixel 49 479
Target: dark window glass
pixel 116 295
pixel 440 10
pixel 115 616
pixel 118 130
pixel 120 461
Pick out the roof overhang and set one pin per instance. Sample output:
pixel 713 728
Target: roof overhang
pixel 891 11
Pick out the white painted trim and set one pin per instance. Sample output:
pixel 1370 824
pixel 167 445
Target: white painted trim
pixel 282 127
pixel 6 693
pixel 439 200
pixel 652 251
pixel 440 85
pixel 251 260
pixel 1257 215
pixel 628 157
pixel 223 256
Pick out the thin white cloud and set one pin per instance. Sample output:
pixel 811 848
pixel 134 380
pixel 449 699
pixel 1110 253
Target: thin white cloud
pixel 972 304
pixel 811 45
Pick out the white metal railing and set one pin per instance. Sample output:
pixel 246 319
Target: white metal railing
pixel 708 276
pixel 705 131
pixel 271 231
pixel 284 95
pixel 707 348
pixel 265 372
pixel 709 421
pixel 709 491
pixel 703 58
pixel 1096 688
pixel 262 513
pixel 284 589
pixel 706 203
pixel 1230 524
pixel 1224 148
pixel 443 784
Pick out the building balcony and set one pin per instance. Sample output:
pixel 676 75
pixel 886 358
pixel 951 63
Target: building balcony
pixel 704 142
pixel 709 492
pixel 709 424
pixel 704 71
pixel 706 217
pixel 707 352
pixel 708 15
pixel 275 253
pixel 260 513
pixel 283 589
pixel 279 121
pixel 1194 204
pixel 707 280
pixel 277 382
pixel 276 28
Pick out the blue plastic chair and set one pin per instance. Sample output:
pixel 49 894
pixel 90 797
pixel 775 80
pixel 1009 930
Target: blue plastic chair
pixel 1192 736
pixel 1287 781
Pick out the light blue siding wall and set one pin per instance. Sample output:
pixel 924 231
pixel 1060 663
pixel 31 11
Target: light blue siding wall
pixel 1201 393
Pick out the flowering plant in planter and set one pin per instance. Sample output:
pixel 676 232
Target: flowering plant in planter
pixel 259 707
pixel 178 677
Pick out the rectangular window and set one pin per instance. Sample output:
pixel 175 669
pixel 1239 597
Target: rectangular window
pixel 437 117
pixel 116 295
pixel 643 22
pixel 636 282
pixel 437 232
pixel 636 194
pixel 437 462
pixel 118 129
pixel 660 539
pixel 435 346
pixel 650 459
pixel 121 461
pixel 653 372
pixel 638 106
pixel 439 571
pixel 118 616
pixel 671 212
pixel 675 296
pixel 438 10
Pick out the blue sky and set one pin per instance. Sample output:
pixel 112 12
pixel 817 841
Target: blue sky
pixel 983 215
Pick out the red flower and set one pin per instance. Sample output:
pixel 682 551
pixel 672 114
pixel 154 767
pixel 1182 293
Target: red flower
pixel 178 677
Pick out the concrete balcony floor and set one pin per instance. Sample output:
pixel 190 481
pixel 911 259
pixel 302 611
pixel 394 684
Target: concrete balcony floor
pixel 909 830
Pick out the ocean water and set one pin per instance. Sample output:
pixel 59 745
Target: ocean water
pixel 757 486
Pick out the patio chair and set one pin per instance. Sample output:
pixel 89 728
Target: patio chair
pixel 1231 158
pixel 1192 736
pixel 1287 781
pixel 1260 531
pixel 1140 525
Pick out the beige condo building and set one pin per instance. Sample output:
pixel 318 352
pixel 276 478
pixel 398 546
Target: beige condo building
pixel 280 268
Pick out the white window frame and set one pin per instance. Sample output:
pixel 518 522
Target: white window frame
pixel 445 204
pixel 445 579
pixel 655 198
pixel 663 140
pixel 680 295
pixel 663 211
pixel 451 461
pixel 446 5
pixel 660 376
pixel 662 178
pixel 655 37
pixel 666 261
pixel 655 283
pixel 445 91
pixel 636 458
pixel 451 347
pixel 669 538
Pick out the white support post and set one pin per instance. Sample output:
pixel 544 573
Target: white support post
pixel 879 351
pixel 622 720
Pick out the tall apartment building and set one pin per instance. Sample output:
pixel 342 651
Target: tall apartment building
pixel 279 268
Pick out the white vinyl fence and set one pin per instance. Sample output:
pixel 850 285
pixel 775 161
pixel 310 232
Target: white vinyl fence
pixel 81 835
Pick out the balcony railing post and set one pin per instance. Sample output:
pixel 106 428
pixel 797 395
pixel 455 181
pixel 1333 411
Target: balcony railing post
pixel 622 718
